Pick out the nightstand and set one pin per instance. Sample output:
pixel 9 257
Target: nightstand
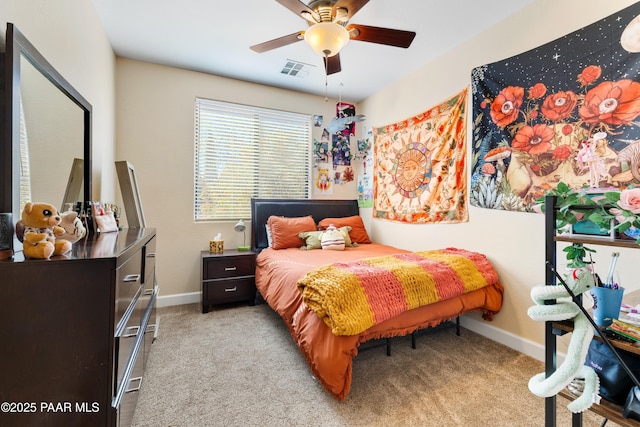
pixel 227 277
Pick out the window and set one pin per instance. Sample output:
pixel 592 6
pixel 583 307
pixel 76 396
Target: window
pixel 243 152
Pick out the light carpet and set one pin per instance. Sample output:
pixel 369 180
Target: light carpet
pixel 238 366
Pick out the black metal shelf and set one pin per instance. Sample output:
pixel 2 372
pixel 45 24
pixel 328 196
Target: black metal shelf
pixel 606 409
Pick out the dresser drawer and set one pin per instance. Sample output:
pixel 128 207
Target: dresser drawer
pixel 128 283
pixel 128 396
pixel 150 334
pixel 125 340
pixel 230 290
pixel 149 263
pixel 218 268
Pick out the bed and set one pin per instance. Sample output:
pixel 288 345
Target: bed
pixel 282 277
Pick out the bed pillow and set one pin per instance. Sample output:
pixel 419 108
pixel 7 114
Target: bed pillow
pixel 268 231
pixel 285 230
pixel 312 239
pixel 358 232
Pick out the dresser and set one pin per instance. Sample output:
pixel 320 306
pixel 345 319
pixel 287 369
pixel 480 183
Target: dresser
pixel 227 277
pixel 76 331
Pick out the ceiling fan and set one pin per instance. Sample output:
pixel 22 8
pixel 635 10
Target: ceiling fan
pixel 329 30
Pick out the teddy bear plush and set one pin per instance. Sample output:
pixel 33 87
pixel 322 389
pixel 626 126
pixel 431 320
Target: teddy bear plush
pixel 40 225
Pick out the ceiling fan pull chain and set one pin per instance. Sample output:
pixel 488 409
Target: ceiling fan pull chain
pixel 326 84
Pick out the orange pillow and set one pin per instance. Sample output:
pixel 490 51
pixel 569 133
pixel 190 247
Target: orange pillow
pixel 358 233
pixel 284 231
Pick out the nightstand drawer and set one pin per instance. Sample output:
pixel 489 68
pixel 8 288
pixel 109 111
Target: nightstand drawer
pixel 222 291
pixel 219 268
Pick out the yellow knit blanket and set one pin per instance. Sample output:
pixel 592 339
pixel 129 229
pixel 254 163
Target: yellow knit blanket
pixel 353 296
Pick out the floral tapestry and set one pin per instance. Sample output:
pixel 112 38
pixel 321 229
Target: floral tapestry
pixel 565 111
pixel 419 166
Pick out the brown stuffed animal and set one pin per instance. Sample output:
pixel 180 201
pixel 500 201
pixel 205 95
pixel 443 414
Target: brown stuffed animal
pixel 41 223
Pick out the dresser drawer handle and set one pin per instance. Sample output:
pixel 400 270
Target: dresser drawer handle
pixel 139 380
pixel 147 292
pixel 131 278
pixel 230 268
pixel 151 255
pixel 235 288
pixel 131 331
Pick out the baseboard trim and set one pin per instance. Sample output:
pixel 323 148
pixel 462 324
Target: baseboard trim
pixel 179 299
pixel 515 342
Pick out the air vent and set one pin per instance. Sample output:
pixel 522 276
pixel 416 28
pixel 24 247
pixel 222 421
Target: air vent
pixel 296 69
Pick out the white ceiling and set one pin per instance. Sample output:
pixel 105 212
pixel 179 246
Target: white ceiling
pixel 213 36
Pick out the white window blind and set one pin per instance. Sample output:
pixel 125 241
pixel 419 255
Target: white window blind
pixel 243 152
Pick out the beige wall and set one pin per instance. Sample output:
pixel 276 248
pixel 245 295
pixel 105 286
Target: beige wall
pixel 514 242
pixel 155 131
pixel 69 35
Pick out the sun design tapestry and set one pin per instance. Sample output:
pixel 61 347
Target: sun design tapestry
pixel 565 111
pixel 419 169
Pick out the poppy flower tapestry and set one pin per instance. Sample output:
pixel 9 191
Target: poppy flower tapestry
pixel 419 166
pixel 567 111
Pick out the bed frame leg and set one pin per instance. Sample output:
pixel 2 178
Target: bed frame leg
pixel 388 346
pixel 413 334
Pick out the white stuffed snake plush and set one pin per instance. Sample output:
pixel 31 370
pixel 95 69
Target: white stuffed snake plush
pixel 579 281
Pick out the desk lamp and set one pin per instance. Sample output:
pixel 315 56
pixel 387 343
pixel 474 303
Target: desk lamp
pixel 240 227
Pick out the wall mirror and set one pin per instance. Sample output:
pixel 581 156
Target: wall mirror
pixel 46 140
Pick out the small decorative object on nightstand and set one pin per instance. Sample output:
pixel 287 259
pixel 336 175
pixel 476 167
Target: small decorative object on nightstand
pixel 228 277
pixel 240 227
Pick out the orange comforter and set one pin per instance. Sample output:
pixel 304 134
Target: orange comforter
pixel 330 356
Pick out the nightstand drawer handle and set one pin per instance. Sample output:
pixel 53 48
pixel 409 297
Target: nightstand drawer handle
pixel 131 278
pixel 230 268
pixel 235 288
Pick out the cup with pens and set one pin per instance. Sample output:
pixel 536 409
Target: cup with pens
pixel 607 295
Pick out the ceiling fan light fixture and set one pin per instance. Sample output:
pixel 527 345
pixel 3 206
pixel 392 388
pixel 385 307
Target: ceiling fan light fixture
pixel 326 38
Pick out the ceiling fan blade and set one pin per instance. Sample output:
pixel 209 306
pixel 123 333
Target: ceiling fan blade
pixel 388 36
pixel 332 64
pixel 352 6
pixel 296 6
pixel 279 42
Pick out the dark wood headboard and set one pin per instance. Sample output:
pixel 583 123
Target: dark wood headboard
pixel 262 209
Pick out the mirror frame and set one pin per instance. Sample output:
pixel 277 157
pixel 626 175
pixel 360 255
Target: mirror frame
pixel 18 46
